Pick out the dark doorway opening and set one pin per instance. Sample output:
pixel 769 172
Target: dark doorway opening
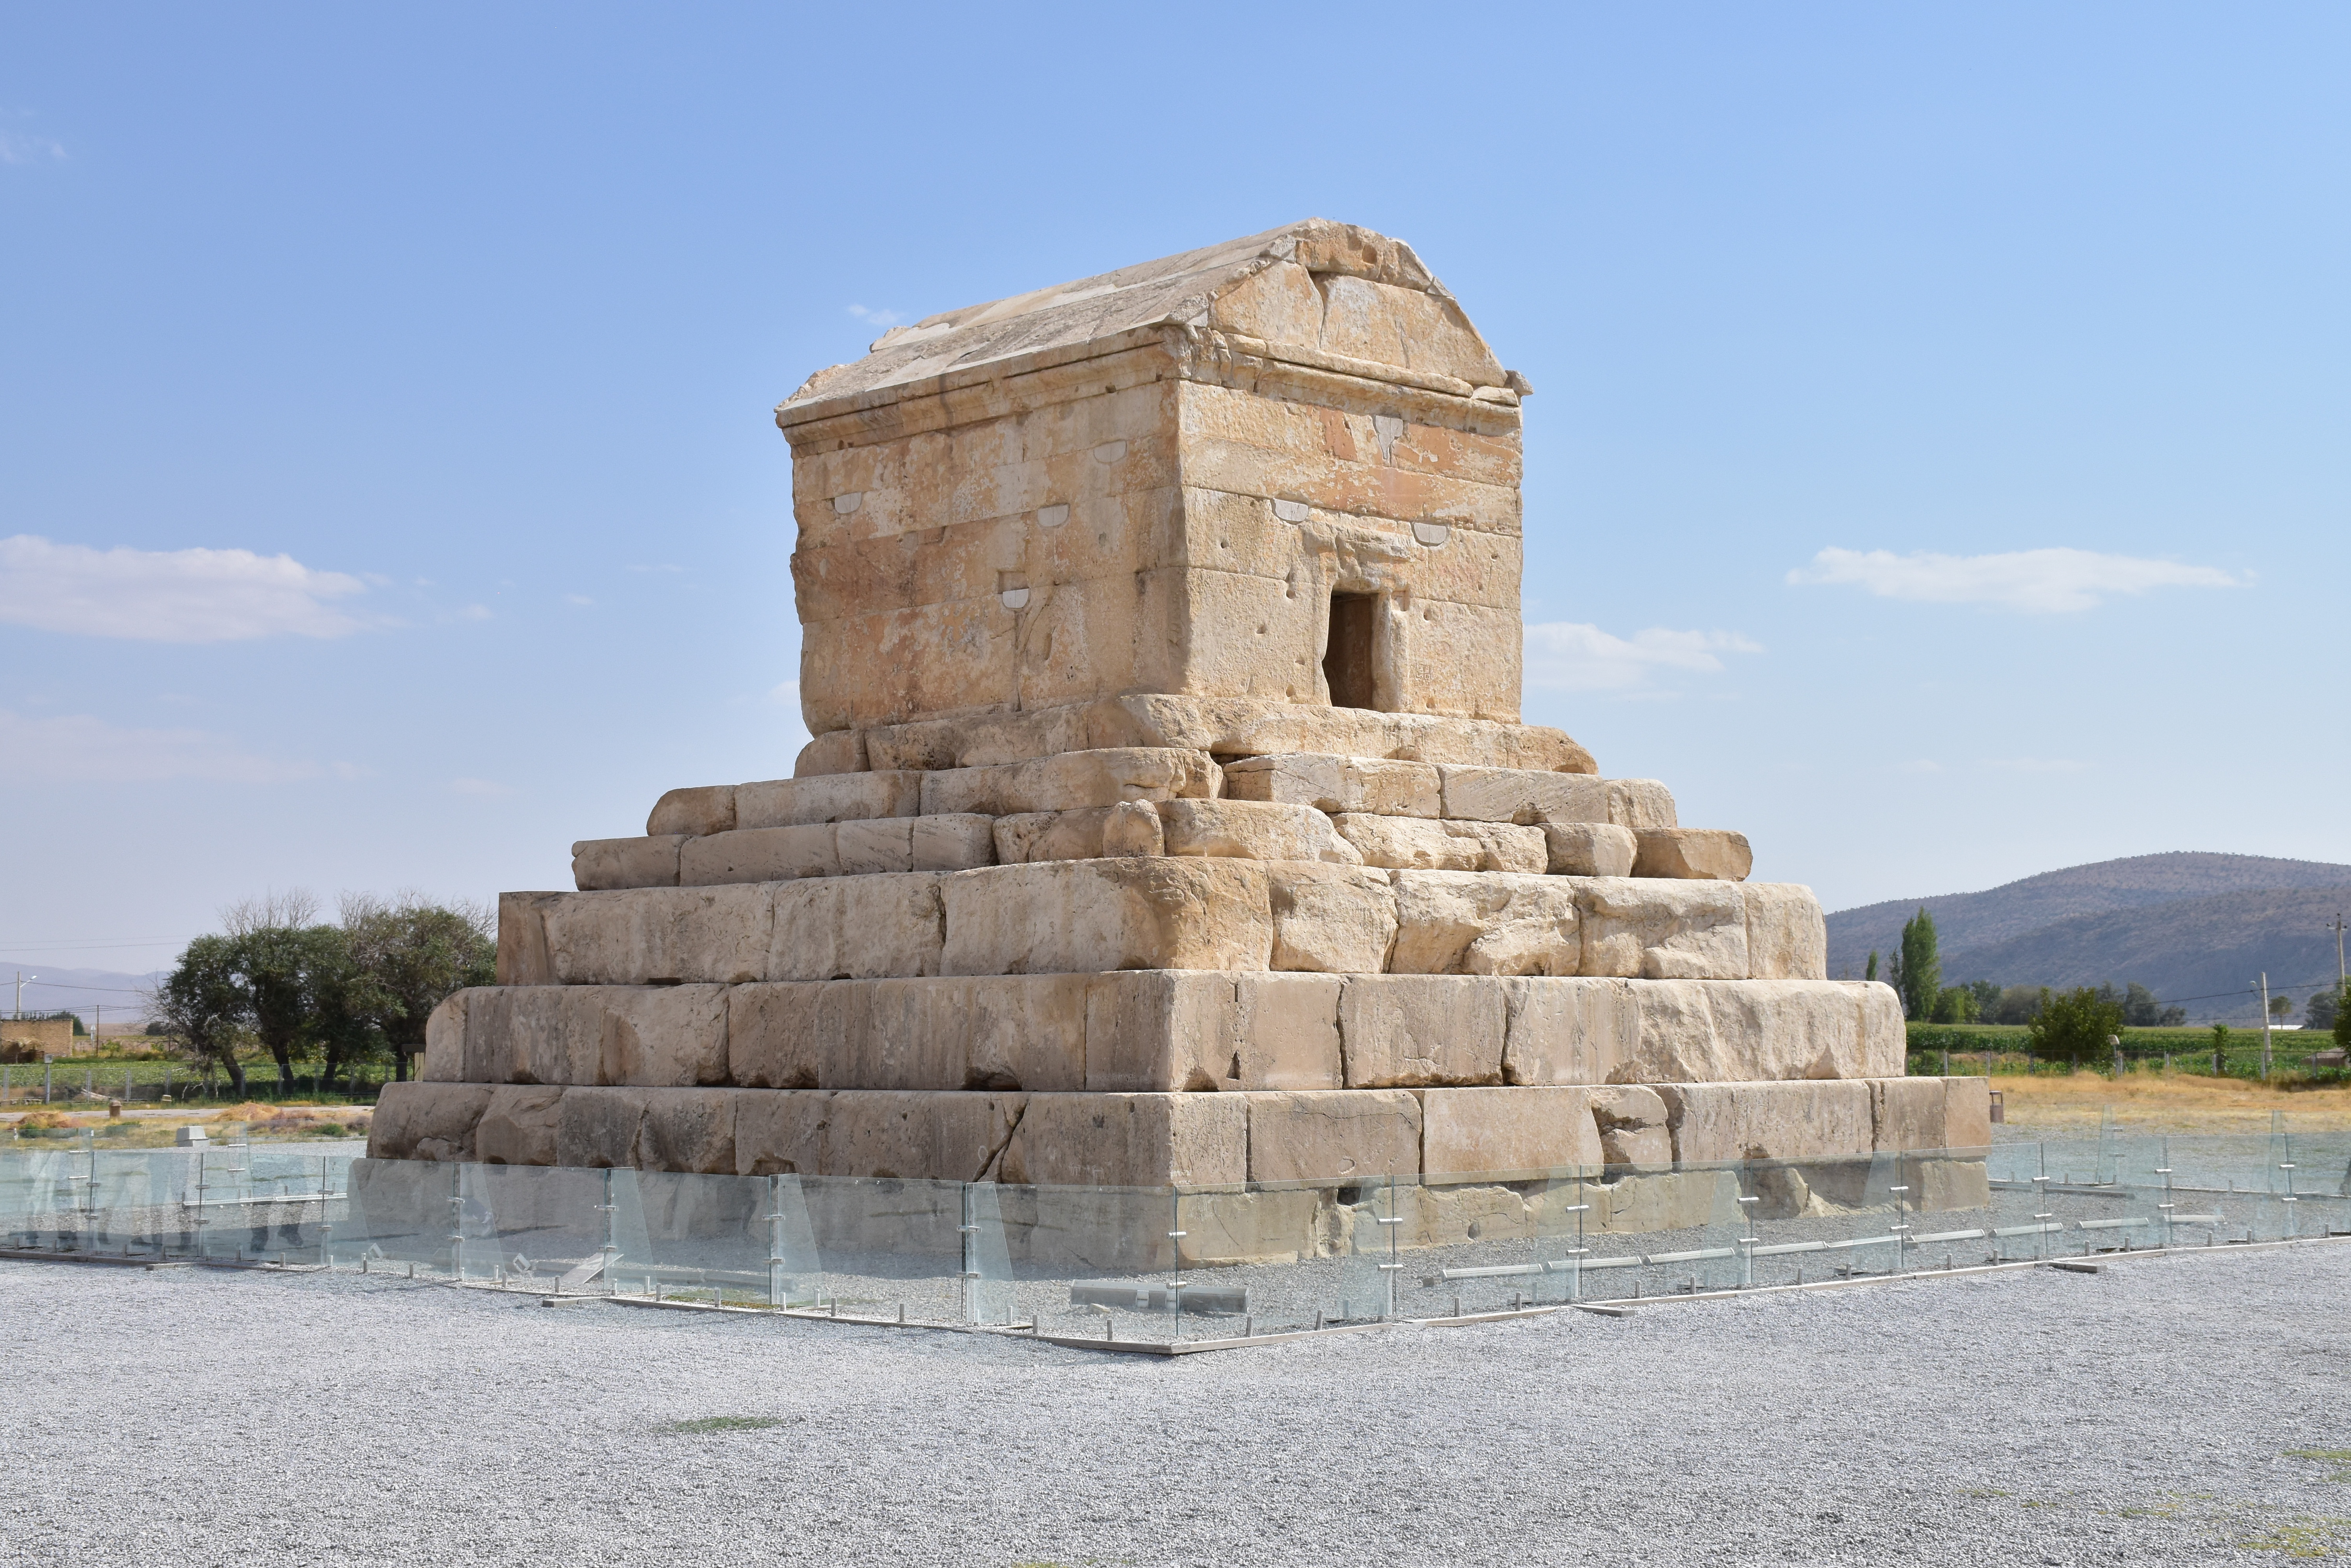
pixel 1347 657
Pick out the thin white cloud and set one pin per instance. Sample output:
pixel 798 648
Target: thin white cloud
pixel 582 599
pixel 17 147
pixel 170 596
pixel 79 748
pixel 876 317
pixel 1572 656
pixel 2041 580
pixel 474 612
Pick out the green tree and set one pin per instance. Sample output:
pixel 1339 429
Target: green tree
pixel 1870 972
pixel 288 968
pixel 2279 1008
pixel 2074 1027
pixel 1955 1004
pixel 2343 1018
pixel 1987 995
pixel 1920 979
pixel 2220 1050
pixel 2320 1010
pixel 416 953
pixel 2139 1008
pixel 201 1005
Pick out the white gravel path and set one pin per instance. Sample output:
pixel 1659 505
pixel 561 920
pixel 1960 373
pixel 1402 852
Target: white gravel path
pixel 2140 1416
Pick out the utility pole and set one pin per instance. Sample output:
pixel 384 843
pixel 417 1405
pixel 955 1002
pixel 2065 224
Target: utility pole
pixel 2339 952
pixel 2265 1025
pixel 21 978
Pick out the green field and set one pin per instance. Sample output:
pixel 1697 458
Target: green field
pixel 143 1080
pixel 2144 1049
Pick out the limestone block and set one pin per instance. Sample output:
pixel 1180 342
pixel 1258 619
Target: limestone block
pixel 1135 827
pixel 1484 1132
pixel 835 751
pixel 827 797
pixel 1332 784
pixel 1787 937
pixel 1662 930
pixel 1644 1204
pixel 1419 1031
pixel 1073 782
pixel 1704 854
pixel 759 854
pixel 954 842
pixel 1631 1122
pixel 1569 1032
pixel 1715 1123
pixel 1031 837
pixel 856 927
pixel 657 936
pixel 1944 1186
pixel 1483 922
pixel 445 1040
pixel 1782 1028
pixel 426 1120
pixel 597 1128
pixel 1012 1032
pixel 1410 844
pixel 863 849
pixel 911 1134
pixel 1252 830
pixel 1229 728
pixel 1884 1040
pixel 709 809
pixel 775 1036
pixel 643 1036
pixel 1088 916
pixel 1339 1135
pixel 1588 849
pixel 1529 796
pixel 598 863
pixel 1909 1114
pixel 1967 1113
pixel 523 957
pixel 518 1127
pixel 1335 919
pixel 1157 1030
pixel 688 1130
pixel 1130 1140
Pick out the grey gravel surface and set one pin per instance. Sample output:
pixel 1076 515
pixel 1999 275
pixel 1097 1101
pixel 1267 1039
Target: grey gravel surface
pixel 2144 1415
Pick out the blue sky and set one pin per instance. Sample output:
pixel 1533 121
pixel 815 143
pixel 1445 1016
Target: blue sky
pixel 2031 316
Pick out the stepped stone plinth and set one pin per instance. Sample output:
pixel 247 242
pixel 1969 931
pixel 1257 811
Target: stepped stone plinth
pixel 1168 817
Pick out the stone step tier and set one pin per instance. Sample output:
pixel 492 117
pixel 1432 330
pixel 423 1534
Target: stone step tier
pixel 1429 1135
pixel 1154 801
pixel 1158 1032
pixel 1087 916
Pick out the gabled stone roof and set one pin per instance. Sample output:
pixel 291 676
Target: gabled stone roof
pixel 1273 286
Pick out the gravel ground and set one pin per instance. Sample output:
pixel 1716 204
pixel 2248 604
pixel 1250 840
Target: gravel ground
pixel 2145 1414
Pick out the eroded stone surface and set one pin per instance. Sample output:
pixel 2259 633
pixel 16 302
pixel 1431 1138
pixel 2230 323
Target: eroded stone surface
pixel 1330 1136
pixel 1454 923
pixel 1332 784
pixel 1698 854
pixel 1659 930
pixel 1409 843
pixel 1588 849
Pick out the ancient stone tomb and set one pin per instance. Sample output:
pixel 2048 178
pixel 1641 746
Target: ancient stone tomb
pixel 1168 818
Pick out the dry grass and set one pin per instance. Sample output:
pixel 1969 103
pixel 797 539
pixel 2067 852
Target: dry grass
pixel 2167 1102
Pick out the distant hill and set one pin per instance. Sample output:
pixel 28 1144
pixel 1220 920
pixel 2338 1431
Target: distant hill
pixel 2186 926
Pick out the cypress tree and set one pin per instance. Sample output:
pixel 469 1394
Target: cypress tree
pixel 1871 973
pixel 1922 969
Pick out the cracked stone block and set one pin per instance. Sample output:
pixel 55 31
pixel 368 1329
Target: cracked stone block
pixel 640 1035
pixel 1150 1030
pixel 1331 919
pixel 1569 1031
pixel 1252 830
pixel 705 809
pixel 1530 797
pixel 1588 849
pixel 654 935
pixel 1807 1119
pixel 1469 923
pixel 1633 1127
pixel 836 751
pixel 759 854
pixel 1418 1030
pixel 600 863
pixel 1696 854
pixel 1662 930
pixel 838 797
pixel 1073 781
pixel 1130 1140
pixel 1339 1135
pixel 445 1040
pixel 1787 935
pixel 859 928
pixel 1407 844
pixel 954 843
pixel 518 1127
pixel 1094 915
pixel 909 1135
pixel 1472 1132
pixel 1332 785
pixel 426 1120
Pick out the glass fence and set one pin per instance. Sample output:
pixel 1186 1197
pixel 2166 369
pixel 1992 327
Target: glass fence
pixel 1160 1266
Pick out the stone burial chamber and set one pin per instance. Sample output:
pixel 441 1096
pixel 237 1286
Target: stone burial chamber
pixel 1169 818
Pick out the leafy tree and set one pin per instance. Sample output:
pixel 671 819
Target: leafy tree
pixel 2279 1008
pixel 2219 1049
pixel 2017 1004
pixel 2076 1026
pixel 416 953
pixel 2320 1010
pixel 1870 973
pixel 1921 975
pixel 200 1004
pixel 2343 1018
pixel 1987 995
pixel 1955 1004
pixel 2139 1008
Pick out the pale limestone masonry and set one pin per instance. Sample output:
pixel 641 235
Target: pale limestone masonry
pixel 1168 817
